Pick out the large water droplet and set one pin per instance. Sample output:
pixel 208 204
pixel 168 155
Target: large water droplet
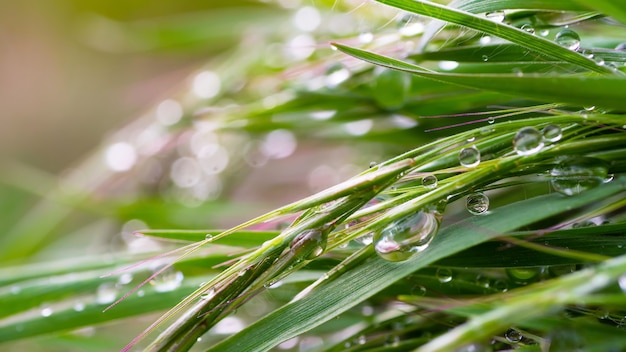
pixel 528 28
pixel 574 175
pixel 444 275
pixel 403 238
pixel 107 293
pixel 477 203
pixel 552 133
pixel 527 141
pixel 524 275
pixel 169 280
pixel 496 16
pixel 309 244
pixel 568 39
pixel 513 336
pixel 429 182
pixel 469 157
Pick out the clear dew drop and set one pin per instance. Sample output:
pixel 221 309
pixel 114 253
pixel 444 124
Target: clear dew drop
pixel 524 275
pixel 404 238
pixel 208 294
pixel 551 133
pixel 169 280
pixel 528 28
pixel 568 38
pixel 491 120
pixel 444 275
pixel 477 203
pixel 469 157
pixel 372 164
pixel 46 311
pixel 485 58
pixel 208 237
pixel 574 175
pixel 106 293
pixel 309 244
pixel 513 336
pixel 366 239
pixel 527 141
pixel 496 16
pixel 544 32
pixel 429 182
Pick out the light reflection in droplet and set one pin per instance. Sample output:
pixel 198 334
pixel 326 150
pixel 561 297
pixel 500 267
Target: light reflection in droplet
pixel 358 128
pixel 120 156
pixel 279 144
pixel 307 19
pixel 169 112
pixel 206 84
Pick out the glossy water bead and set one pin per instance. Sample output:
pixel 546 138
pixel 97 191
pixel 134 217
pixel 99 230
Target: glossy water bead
pixel 527 141
pixel 477 203
pixel 574 175
pixel 404 238
pixel 469 157
pixel 568 38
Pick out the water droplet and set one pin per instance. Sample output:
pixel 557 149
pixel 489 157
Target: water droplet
pixel 46 311
pixel 496 16
pixel 403 238
pixel 599 61
pixel 491 120
pixel 469 157
pixel 574 175
pixel 419 291
pixel 477 203
pixel 485 58
pixel 609 178
pixel 483 281
pixel 361 340
pixel 551 133
pixel 528 28
pixel 208 294
pixel 366 239
pixel 527 141
pixel 208 237
pixel 544 32
pixel 309 244
pixel 124 279
pixel 444 275
pixel 372 164
pixel 513 336
pixel 501 285
pixel 429 182
pixel 107 293
pixel 568 39
pixel 560 270
pixel 79 306
pixel 168 280
pixel 621 46
pixel 524 275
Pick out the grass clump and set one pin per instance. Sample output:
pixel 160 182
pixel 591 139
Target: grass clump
pixel 497 225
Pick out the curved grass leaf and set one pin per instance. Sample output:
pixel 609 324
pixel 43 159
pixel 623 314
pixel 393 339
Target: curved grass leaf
pixel 500 30
pixel 582 90
pixel 337 296
pixel 616 9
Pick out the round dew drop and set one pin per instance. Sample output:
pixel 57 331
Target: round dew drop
pixel 469 157
pixel 574 175
pixel 528 28
pixel 404 238
pixel 568 39
pixel 444 275
pixel 496 16
pixel 527 141
pixel 477 203
pixel 513 336
pixel 429 182
pixel 551 133
pixel 168 280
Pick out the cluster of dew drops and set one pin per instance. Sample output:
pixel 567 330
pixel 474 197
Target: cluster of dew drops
pixel 403 238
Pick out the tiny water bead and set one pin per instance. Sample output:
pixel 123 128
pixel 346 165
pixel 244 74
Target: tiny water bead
pixel 496 16
pixel 469 157
pixel 404 238
pixel 477 203
pixel 574 175
pixel 168 280
pixel 525 275
pixel 513 336
pixel 568 38
pixel 527 141
pixel 429 182
pixel 485 58
pixel 372 164
pixel 309 244
pixel 444 275
pixel 106 293
pixel 528 28
pixel 552 133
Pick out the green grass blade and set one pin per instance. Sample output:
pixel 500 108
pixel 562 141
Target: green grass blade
pixel 361 283
pixel 613 8
pixel 503 31
pixel 582 90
